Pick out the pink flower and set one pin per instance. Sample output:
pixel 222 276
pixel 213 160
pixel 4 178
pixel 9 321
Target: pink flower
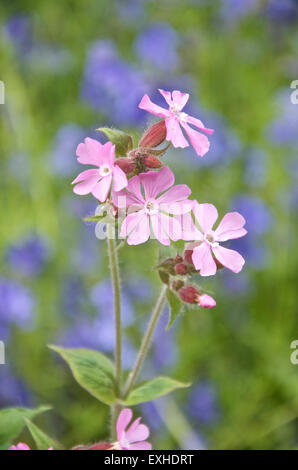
pixel 20 446
pixel 174 118
pixel 98 181
pixel 133 438
pixel 229 228
pixel 206 301
pixel 153 208
pixel 191 295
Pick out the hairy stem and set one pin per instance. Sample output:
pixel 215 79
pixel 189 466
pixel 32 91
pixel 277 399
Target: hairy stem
pixel 113 259
pixel 146 341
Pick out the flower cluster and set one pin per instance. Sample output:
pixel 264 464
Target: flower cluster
pixel 147 203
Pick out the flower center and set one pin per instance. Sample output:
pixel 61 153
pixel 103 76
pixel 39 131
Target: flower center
pixel 209 237
pixel 176 110
pixel 151 207
pixel 104 170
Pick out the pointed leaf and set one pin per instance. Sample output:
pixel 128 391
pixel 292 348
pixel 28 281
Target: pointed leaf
pixel 42 441
pixel 122 141
pixel 176 306
pixel 12 421
pixel 92 370
pixel 152 389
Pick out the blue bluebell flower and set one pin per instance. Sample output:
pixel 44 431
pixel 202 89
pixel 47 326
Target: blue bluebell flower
pixel 63 155
pixel 13 391
pixel 256 166
pixel 17 304
pixel 113 86
pixel 157 46
pixel 28 257
pixel 203 403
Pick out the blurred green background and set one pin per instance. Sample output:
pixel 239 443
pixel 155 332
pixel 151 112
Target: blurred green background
pixel 72 66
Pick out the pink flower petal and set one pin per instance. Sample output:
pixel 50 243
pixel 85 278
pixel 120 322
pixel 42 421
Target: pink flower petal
pixel 177 193
pixel 231 259
pixel 180 98
pixel 174 133
pixel 138 433
pixel 108 153
pixel 203 261
pixel 230 227
pixel 136 227
pixel 131 195
pixel 199 125
pixel 199 141
pixel 166 95
pixel 102 188
pixel 90 153
pixel 141 446
pixel 165 228
pixel 206 215
pixel 206 301
pixel 155 183
pixel 119 179
pixel 123 420
pixel 86 175
pixel 87 185
pixel 189 230
pixel 19 446
pixel 152 108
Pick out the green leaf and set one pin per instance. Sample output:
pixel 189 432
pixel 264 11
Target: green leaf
pixel 122 141
pixel 42 441
pixel 92 370
pixel 152 389
pixel 175 305
pixel 12 421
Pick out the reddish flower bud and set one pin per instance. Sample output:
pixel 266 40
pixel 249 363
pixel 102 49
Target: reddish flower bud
pixel 178 259
pixel 150 161
pixel 125 164
pixel 154 136
pixel 189 294
pixel 206 301
pixel 181 269
pixel 188 256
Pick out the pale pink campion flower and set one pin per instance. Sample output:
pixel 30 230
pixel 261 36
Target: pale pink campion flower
pixel 175 118
pixel 132 437
pixel 153 208
pixel 22 446
pixel 207 240
pixel 98 181
pixel 19 446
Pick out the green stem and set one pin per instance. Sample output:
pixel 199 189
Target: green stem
pixel 146 341
pixel 113 259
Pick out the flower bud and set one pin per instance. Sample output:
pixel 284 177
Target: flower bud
pixel 206 301
pixel 168 266
pixel 181 269
pixel 125 164
pixel 150 161
pixel 188 256
pixel 154 136
pixel 189 294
